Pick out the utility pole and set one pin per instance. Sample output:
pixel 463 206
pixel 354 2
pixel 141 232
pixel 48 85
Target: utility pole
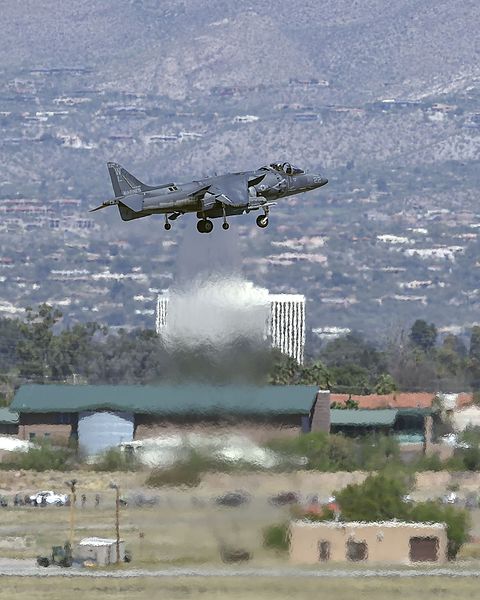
pixel 117 517
pixel 73 498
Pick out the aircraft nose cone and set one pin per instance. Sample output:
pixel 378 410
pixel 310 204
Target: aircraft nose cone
pixel 318 181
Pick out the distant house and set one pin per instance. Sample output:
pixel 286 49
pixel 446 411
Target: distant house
pixel 407 425
pixel 404 399
pixel 389 542
pixel 104 416
pixel 8 422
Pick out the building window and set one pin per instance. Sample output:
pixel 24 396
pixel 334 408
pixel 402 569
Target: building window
pixel 323 551
pixel 46 434
pixel 357 551
pixel 424 549
pixel 31 435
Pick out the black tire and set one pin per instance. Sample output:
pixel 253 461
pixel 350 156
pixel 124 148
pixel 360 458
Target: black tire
pixel 208 226
pixel 200 224
pixel 225 226
pixel 262 221
pixel 168 226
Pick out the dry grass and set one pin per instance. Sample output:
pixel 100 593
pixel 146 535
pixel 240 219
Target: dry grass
pixel 239 589
pixel 177 531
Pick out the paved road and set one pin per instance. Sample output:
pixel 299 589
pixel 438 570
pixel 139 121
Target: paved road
pixel 28 568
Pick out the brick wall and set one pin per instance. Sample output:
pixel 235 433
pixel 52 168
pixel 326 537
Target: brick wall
pixel 59 432
pixel 321 412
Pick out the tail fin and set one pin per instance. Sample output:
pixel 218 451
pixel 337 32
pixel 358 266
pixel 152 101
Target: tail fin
pixel 124 182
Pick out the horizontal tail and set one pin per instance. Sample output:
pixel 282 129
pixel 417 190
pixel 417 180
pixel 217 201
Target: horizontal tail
pixel 123 182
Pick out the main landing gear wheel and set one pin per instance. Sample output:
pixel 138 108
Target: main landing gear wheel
pixel 225 226
pixel 204 226
pixel 262 221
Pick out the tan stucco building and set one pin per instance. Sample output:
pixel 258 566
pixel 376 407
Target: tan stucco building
pixel 392 542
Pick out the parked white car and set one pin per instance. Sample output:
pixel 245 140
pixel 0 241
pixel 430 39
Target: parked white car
pixel 451 439
pixel 49 497
pixel 450 498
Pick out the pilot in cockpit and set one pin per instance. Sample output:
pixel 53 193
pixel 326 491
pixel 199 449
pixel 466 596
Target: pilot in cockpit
pixel 286 168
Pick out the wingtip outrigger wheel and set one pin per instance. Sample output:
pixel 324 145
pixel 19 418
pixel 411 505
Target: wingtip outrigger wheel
pixel 225 224
pixel 167 225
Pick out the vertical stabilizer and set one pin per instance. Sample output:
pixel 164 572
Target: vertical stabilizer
pixel 124 182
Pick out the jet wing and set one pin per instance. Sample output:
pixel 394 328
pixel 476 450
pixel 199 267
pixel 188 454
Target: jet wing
pixel 231 190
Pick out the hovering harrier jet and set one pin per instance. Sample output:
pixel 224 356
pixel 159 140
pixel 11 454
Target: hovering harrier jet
pixel 219 196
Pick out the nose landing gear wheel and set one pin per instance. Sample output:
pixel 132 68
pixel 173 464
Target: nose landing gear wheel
pixel 204 226
pixel 262 221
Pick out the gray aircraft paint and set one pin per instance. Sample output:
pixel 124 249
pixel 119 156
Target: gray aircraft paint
pixel 211 197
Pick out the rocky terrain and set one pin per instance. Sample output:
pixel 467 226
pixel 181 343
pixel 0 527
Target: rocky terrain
pixel 381 98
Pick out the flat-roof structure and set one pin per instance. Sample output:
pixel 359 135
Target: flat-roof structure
pixel 103 416
pixel 166 400
pixel 391 542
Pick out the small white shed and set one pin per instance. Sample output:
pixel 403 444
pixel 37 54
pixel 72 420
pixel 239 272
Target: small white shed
pixel 103 551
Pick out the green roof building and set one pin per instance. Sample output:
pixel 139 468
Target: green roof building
pixel 104 415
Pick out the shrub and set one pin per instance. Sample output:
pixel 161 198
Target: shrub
pixel 456 520
pixel 277 537
pixel 429 463
pixel 378 498
pixel 115 459
pixel 181 474
pixel 44 457
pixel 187 472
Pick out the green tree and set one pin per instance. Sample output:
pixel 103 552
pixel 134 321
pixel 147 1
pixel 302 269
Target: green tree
pixel 473 366
pixel 315 374
pixel 385 384
pixel 285 370
pixel 10 336
pixel 354 364
pixel 423 335
pixel 474 350
pixel 351 378
pixel 34 349
pixel 378 498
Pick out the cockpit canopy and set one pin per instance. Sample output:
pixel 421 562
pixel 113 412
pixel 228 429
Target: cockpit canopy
pixel 286 168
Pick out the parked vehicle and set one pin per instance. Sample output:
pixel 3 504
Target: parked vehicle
pixel 61 556
pixel 450 498
pixel 284 498
pixel 49 498
pixel 471 501
pixel 233 499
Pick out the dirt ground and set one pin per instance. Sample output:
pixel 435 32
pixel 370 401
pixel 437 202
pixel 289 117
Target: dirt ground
pixel 182 527
pixel 241 589
pixel 429 484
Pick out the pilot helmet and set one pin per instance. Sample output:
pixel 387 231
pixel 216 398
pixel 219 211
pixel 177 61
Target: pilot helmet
pixel 287 167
